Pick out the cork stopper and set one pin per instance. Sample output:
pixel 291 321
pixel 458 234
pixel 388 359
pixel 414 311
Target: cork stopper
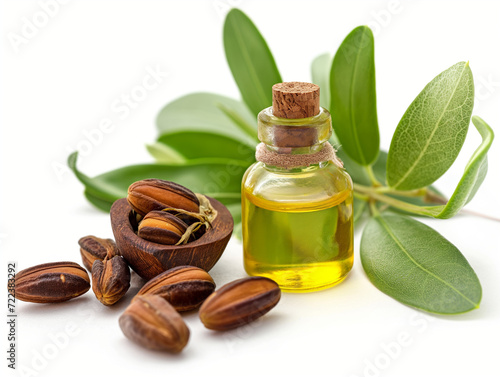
pixel 294 100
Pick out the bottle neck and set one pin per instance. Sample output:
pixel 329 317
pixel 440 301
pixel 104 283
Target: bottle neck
pixel 301 142
pixel 300 136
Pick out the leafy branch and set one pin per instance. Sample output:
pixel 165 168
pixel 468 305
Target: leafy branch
pixel 206 142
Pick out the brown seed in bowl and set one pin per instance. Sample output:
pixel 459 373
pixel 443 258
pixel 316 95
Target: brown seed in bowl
pixel 239 302
pixel 150 259
pixel 156 194
pixel 184 287
pixel 161 227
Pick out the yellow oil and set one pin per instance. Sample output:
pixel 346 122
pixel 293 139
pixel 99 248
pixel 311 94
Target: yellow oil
pixel 301 246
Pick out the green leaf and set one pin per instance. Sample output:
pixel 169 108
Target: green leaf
pixel 432 130
pixel 203 112
pixel 164 154
pixel 238 120
pixel 250 60
pixel 415 265
pixel 218 178
pixel 353 96
pixel 201 144
pixel 474 174
pixel 320 73
pixel 102 204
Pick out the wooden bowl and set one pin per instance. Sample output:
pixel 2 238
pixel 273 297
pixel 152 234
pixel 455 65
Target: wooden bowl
pixel 149 259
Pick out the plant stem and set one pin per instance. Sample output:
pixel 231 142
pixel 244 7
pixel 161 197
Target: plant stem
pixel 473 213
pixel 390 191
pixel 372 194
pixel 373 208
pixel 429 195
pixel 361 196
pixel 372 177
pixel 369 191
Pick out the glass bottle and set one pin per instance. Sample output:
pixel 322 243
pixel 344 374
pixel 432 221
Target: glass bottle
pixel 297 220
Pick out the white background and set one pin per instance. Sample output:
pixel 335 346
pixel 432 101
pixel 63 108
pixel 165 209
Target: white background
pixel 63 81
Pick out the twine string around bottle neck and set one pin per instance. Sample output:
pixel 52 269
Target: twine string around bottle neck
pixel 288 161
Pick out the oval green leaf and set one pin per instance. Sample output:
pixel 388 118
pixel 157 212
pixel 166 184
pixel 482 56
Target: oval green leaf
pixel 473 177
pixel 415 265
pixel 432 130
pixel 218 178
pixel 200 144
pixel 250 60
pixel 353 96
pixel 205 112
